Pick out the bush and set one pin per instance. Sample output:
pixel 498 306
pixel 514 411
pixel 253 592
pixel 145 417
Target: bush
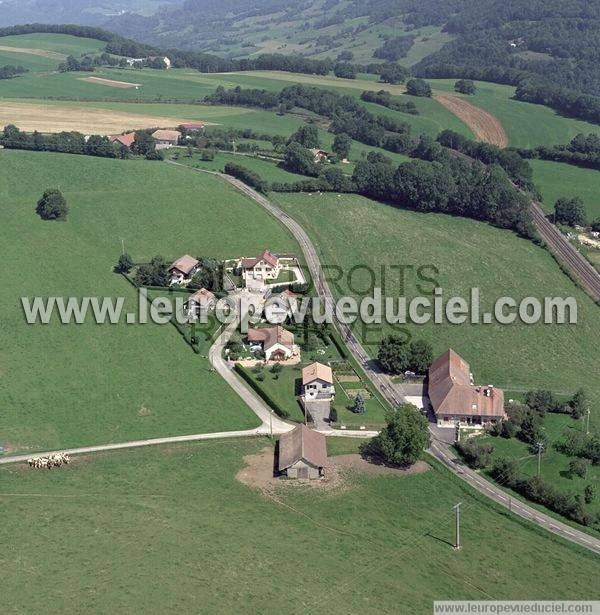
pixel 475 454
pixel 124 264
pixel 578 467
pixel 418 87
pixel 333 415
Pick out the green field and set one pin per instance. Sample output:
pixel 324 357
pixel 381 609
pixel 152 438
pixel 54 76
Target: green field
pixel 71 385
pixel 527 125
pixel 557 179
pixel 467 254
pixel 58 43
pixel 107 525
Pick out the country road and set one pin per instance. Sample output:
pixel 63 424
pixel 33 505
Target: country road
pixel 389 390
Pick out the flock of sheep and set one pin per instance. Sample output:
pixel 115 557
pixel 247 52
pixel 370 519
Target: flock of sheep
pixel 53 461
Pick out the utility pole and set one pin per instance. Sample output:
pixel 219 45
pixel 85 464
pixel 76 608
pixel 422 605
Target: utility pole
pixel 271 423
pixel 122 246
pixel 540 448
pixel 587 431
pixel 457 537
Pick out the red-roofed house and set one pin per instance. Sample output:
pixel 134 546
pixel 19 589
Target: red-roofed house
pixel 267 266
pixel 317 382
pixel 456 400
pixel 126 140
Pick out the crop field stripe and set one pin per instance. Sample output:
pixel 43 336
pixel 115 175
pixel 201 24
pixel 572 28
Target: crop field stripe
pixel 484 125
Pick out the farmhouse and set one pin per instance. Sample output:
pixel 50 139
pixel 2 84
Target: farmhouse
pixel 201 302
pixel 166 138
pixel 126 140
pixel 277 343
pixel 183 269
pixel 319 154
pixel 302 453
pixel 456 400
pixel 317 382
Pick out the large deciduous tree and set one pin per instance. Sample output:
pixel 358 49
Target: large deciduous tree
pixel 403 439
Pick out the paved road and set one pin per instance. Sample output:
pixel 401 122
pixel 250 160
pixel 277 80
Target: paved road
pixel 257 405
pixel 443 451
pixel 439 449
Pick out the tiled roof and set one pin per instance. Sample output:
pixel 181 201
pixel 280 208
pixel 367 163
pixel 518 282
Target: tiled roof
pixel 302 443
pixel 451 391
pixel 317 371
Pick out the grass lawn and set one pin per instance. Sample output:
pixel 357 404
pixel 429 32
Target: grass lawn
pixel 557 179
pixel 71 385
pixel 108 524
pixel 554 465
pixel 526 124
pixel 58 43
pixel 466 254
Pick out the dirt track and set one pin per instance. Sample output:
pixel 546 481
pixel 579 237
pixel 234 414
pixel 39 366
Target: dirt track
pixel 42 53
pixel 111 83
pixel 484 125
pixel 88 120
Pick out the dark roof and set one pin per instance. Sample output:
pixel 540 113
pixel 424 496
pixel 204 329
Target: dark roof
pixel 304 444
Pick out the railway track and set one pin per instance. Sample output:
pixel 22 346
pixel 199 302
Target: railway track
pixel 565 253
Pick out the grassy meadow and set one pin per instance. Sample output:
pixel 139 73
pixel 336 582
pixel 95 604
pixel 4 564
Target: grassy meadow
pixel 71 385
pixel 527 125
pixel 64 44
pixel 108 523
pixel 557 179
pixel 460 254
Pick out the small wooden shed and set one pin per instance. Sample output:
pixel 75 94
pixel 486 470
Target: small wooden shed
pixel 302 453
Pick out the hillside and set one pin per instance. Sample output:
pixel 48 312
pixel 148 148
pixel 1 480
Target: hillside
pixel 499 40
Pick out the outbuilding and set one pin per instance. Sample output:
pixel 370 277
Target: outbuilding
pixel 302 453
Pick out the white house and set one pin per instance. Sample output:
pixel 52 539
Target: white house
pixel 277 343
pixel 317 382
pixel 183 269
pixel 267 266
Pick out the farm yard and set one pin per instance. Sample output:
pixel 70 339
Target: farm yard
pixel 111 383
pixel 122 515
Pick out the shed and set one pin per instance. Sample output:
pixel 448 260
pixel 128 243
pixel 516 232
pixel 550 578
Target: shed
pixel 302 453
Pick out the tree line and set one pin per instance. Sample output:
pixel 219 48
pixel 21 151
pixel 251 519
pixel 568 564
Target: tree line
pixel 582 151
pixel 77 143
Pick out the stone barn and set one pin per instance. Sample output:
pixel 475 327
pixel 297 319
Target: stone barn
pixel 302 453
